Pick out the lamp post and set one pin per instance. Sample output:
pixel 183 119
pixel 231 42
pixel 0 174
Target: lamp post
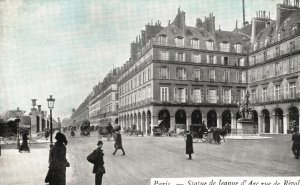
pixel 51 106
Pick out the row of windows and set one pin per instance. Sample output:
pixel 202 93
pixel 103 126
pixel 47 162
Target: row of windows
pixel 277 69
pixel 136 96
pixel 281 34
pixel 273 52
pixel 195 43
pixel 275 92
pixel 139 79
pixel 197 95
pixel 198 58
pixel 181 74
pixel 142 61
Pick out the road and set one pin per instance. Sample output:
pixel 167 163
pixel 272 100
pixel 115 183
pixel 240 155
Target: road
pixel 148 157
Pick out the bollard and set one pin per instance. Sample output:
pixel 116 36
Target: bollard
pixel 0 150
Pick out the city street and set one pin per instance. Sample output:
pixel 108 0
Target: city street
pixel 148 157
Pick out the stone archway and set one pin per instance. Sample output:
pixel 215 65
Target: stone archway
pixel 293 118
pixel 211 119
pixel 135 120
pixel 278 122
pixel 144 122
pixel 226 118
pixel 164 118
pixel 139 124
pixel 255 119
pixel 130 121
pixel 266 120
pixel 149 122
pixel 196 117
pixel 180 117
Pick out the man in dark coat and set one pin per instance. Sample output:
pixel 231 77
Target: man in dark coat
pixel 24 145
pixel 96 158
pixel 189 145
pixel 118 143
pixel 58 162
pixel 296 144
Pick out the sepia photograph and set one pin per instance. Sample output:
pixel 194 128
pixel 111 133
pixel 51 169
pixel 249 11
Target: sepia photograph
pixel 149 92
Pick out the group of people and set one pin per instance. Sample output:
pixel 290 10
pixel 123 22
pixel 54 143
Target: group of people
pixel 58 162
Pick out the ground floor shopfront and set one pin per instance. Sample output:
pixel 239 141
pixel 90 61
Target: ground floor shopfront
pixel 277 117
pixel 179 116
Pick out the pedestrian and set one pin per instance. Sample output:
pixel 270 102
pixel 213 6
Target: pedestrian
pixel 189 145
pixel 58 162
pixel 118 143
pixel 96 158
pixel 46 134
pixel 24 145
pixel 296 144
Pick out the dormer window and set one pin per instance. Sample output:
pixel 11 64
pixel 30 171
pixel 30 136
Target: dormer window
pixel 294 29
pixel 225 47
pixel 209 45
pixel 195 43
pixel 162 40
pixel 267 41
pixel 179 41
pixel 255 46
pixel 278 36
pixel 238 48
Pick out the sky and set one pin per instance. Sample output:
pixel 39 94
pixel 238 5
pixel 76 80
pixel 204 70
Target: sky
pixel 65 47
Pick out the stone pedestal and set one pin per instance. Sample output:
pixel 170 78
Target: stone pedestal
pixel 245 126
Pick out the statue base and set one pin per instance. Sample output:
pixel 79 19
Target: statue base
pixel 246 126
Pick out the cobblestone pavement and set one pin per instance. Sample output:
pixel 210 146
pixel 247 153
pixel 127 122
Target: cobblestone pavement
pixel 148 157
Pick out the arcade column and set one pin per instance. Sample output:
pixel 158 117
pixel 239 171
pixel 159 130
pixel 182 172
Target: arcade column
pixel 172 123
pixel 260 124
pixel 219 121
pixel 286 120
pixel 188 122
pixel 233 124
pixel 154 122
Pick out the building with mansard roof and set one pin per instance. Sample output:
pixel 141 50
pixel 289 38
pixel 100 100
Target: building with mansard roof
pixel 180 75
pixel 183 75
pixel 103 105
pixel 273 72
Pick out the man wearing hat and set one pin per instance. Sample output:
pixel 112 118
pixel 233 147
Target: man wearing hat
pixel 96 158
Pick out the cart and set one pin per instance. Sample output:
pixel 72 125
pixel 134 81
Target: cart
pixel 198 132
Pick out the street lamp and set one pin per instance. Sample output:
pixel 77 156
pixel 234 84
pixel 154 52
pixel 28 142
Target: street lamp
pixel 51 106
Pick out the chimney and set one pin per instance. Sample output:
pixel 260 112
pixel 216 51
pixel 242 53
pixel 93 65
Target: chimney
pixel 198 23
pixel 283 11
pixel 39 107
pixel 253 30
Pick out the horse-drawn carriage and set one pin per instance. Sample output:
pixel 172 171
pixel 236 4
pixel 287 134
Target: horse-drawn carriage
pixel 107 131
pixel 212 135
pixel 85 128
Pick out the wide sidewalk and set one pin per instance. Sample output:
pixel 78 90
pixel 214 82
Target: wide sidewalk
pixel 24 168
